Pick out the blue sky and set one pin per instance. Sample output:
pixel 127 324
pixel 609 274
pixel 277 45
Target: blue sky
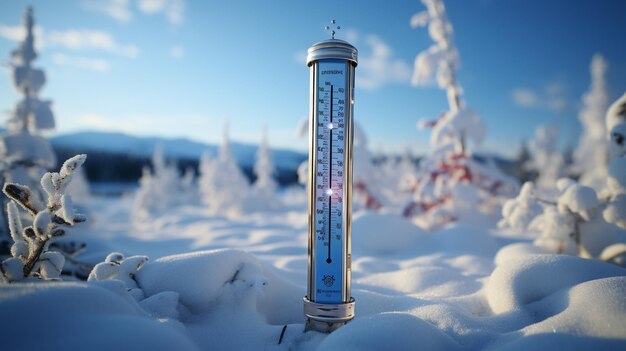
pixel 178 68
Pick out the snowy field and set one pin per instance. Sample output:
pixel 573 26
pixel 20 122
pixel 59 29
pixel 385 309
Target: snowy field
pixel 218 283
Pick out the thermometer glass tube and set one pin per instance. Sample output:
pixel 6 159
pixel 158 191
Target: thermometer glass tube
pixel 328 303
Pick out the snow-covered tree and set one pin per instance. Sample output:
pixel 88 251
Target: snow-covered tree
pixel 30 252
pixel 591 156
pixel 450 181
pixel 440 61
pixel 577 221
pixel 367 177
pixel 560 223
pixel 24 154
pixel 265 184
pixel 546 158
pixel 225 189
pixel 159 190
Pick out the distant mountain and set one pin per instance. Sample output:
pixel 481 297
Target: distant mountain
pixel 120 143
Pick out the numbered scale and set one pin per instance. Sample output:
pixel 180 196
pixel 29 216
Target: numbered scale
pixel 328 303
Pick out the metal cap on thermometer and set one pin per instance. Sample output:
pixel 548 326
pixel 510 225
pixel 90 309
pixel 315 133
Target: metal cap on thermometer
pixel 329 304
pixel 332 49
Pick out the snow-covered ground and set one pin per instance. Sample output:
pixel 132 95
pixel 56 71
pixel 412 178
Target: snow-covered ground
pixel 217 263
pixel 217 283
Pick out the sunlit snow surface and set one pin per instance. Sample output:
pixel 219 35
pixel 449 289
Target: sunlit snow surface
pixel 225 284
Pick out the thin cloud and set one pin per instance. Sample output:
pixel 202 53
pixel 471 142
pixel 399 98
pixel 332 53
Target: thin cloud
pixel 551 97
pixel 116 9
pixel 172 9
pixel 379 67
pixel 82 39
pixel 121 10
pixel 177 52
pixel 94 64
pixel 72 39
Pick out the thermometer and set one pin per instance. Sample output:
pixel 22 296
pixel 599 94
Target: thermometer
pixel 328 303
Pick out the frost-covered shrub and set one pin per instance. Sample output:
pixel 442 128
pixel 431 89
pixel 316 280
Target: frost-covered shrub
pixel 450 181
pixel 225 190
pixel 520 211
pixel 577 220
pixel 560 222
pixel 30 251
pixel 121 268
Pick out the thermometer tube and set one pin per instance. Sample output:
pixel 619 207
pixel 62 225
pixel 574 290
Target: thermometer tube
pixel 328 303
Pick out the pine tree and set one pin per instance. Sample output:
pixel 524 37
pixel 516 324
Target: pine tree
pixel 24 153
pixel 159 190
pixel 225 190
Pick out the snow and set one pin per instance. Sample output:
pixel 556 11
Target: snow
pixel 595 306
pixel 78 316
pixel 215 282
pixel 379 234
pixel 517 283
pixel 615 253
pixel 380 332
pixel 578 199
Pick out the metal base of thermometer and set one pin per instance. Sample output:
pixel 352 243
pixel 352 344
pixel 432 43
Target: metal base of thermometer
pixel 326 318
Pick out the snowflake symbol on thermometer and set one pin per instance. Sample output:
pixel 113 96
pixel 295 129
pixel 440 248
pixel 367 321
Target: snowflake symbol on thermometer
pixel 329 280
